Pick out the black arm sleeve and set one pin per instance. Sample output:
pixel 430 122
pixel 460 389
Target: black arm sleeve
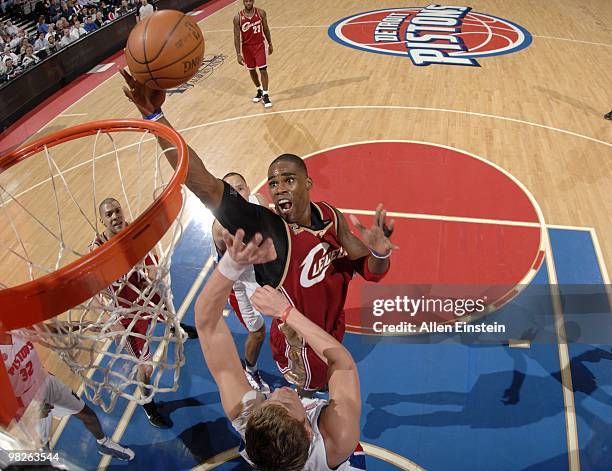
pixel 235 213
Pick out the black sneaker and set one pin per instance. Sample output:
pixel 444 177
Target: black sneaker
pixel 266 101
pixel 608 115
pixel 190 331
pixel 156 419
pixel 257 98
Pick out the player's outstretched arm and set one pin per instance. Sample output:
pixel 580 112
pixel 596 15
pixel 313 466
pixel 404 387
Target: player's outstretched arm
pixel 375 241
pixel 199 180
pixel 339 422
pixel 215 338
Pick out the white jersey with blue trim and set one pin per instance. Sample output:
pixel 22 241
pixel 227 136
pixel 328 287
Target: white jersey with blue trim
pixel 317 459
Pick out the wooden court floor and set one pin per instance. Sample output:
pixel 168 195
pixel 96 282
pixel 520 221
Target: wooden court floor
pixel 537 113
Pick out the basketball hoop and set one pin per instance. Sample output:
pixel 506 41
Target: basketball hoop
pixel 64 300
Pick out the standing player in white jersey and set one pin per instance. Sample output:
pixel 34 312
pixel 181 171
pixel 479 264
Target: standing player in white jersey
pixel 35 388
pixel 243 290
pixel 279 430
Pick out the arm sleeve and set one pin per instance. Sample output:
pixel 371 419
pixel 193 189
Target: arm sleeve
pixel 235 213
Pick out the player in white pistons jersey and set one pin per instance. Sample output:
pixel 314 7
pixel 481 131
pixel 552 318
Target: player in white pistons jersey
pixel 41 396
pixel 279 430
pixel 243 289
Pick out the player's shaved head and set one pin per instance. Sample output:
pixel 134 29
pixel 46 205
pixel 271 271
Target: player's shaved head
pixel 109 200
pixel 292 158
pixel 233 174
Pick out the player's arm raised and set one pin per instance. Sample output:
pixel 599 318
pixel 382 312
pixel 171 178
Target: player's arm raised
pixel 374 242
pixel 339 422
pixel 215 337
pixel 200 181
pixel 237 40
pixel 266 30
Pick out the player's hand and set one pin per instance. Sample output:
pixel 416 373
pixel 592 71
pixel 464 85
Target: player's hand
pixel 270 49
pixel 45 410
pixel 240 59
pixel 377 237
pixel 146 99
pixel 255 252
pixel 269 301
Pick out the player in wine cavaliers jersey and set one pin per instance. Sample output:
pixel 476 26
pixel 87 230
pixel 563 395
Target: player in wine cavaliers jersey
pixel 317 253
pixel 42 396
pixel 134 288
pixel 250 28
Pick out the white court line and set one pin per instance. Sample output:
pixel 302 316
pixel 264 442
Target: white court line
pixel 571 427
pixel 131 407
pixel 438 217
pixel 572 40
pixel 69 115
pixel 568 228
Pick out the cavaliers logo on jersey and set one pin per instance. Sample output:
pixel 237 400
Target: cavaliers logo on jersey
pixel 317 262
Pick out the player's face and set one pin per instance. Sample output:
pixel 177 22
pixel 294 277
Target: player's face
pixel 111 216
pixel 248 4
pixel 239 185
pixel 288 399
pixel 289 187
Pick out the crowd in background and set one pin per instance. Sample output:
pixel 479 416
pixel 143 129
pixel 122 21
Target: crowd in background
pixel 59 23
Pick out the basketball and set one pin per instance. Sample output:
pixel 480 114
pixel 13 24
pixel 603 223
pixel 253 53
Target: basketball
pixel 165 50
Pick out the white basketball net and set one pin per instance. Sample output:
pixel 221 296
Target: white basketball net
pixel 49 218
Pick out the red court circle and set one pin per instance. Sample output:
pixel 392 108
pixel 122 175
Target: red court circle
pixel 464 221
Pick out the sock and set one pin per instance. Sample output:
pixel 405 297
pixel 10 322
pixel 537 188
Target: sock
pixel 249 368
pixel 259 88
pixel 265 92
pixel 102 440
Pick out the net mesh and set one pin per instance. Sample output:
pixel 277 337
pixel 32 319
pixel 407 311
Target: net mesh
pixel 49 217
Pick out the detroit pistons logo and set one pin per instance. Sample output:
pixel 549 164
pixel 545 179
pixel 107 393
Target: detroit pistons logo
pixel 435 34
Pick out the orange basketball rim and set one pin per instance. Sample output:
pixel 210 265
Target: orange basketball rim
pixel 57 292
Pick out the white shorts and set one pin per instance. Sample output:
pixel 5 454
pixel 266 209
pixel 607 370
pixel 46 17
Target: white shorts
pixel 64 402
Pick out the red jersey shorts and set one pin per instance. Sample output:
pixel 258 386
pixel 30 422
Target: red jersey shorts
pixel 255 55
pixel 137 346
pixel 298 362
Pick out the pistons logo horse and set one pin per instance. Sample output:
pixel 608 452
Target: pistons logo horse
pixel 435 34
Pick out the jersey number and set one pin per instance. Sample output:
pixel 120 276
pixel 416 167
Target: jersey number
pixel 257 29
pixel 26 371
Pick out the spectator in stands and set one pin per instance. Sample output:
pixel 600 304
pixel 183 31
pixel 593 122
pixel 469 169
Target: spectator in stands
pixel 51 32
pixel 66 39
pixel 23 46
pixel 66 11
pixel 65 24
pixel 100 21
pixel 41 42
pixel 53 47
pixel 123 9
pixel 42 26
pixel 90 25
pixel 53 11
pixel 77 30
pixel 29 59
pixel 145 10
pixel 11 30
pixel 16 41
pixel 11 69
pixel 10 54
